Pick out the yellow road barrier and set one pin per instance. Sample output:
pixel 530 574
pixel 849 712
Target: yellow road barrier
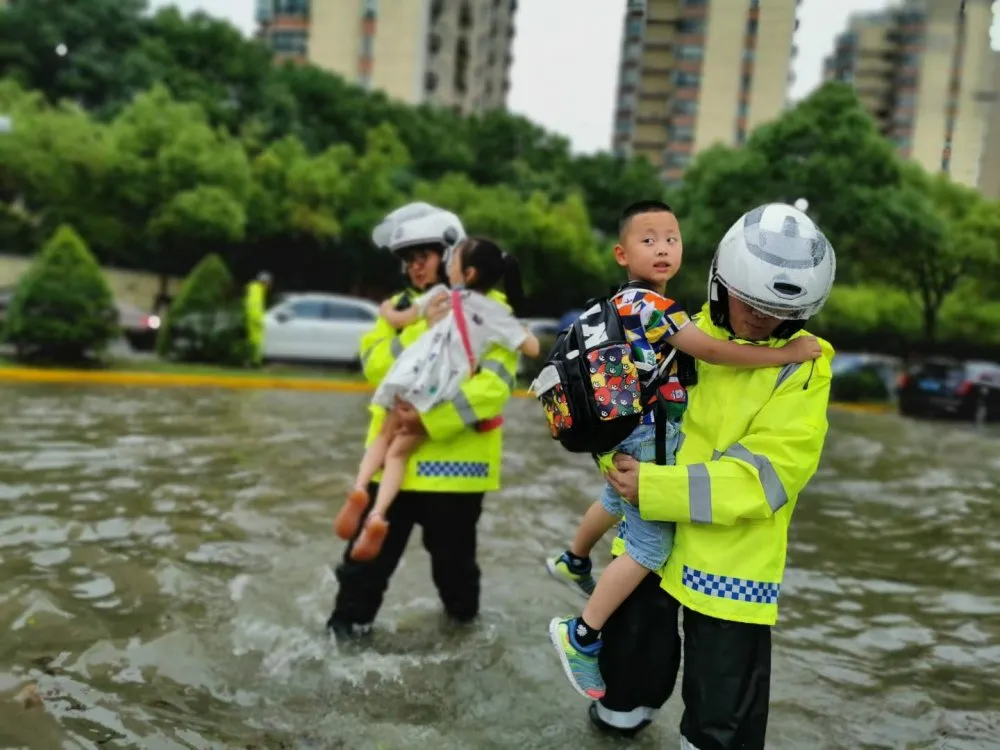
pixel 221 380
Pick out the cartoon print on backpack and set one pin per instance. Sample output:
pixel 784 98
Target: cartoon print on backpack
pixel 615 381
pixel 556 408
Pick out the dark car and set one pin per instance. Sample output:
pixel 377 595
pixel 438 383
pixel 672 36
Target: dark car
pixel 950 388
pixel 139 328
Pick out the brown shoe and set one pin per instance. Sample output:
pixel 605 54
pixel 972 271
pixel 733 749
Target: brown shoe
pixel 369 544
pixel 349 519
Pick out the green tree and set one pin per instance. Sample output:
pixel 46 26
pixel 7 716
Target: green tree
pixel 55 167
pixel 551 239
pixel 609 183
pixel 826 149
pixel 100 36
pixel 62 310
pixel 206 322
pixel 168 159
pixel 933 234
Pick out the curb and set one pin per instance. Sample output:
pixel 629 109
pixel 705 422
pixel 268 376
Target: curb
pixel 253 382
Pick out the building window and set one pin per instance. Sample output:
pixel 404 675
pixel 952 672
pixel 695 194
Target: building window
pixel 689 52
pixel 633 50
pixel 289 41
pixel 365 81
pixel 677 159
pixel 624 124
pixel 367 42
pixel 680 133
pixel 745 80
pixel 752 26
pixel 685 106
pixel 634 27
pixel 630 76
pixel 682 78
pixel 371 7
pixel 742 109
pixel 691 26
pixel 298 8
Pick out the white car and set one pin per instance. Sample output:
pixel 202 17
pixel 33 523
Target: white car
pixel 318 327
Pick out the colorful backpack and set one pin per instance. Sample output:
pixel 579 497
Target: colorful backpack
pixel 590 388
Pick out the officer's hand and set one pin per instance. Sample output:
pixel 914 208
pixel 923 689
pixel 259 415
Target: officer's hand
pixel 437 308
pixel 625 477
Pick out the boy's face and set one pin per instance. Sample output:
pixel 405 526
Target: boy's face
pixel 651 248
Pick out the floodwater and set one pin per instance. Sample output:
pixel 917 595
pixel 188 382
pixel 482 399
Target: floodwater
pixel 165 574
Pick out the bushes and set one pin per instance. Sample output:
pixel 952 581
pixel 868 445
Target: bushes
pixel 62 310
pixel 206 322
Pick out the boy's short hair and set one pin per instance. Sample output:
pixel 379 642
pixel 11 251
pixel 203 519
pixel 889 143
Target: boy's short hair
pixel 640 207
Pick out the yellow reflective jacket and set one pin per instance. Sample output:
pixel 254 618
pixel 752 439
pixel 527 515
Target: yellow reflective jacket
pixel 254 304
pixel 750 441
pixel 455 457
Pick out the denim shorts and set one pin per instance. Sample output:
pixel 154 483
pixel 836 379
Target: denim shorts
pixel 646 542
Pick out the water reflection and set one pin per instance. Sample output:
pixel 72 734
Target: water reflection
pixel 164 578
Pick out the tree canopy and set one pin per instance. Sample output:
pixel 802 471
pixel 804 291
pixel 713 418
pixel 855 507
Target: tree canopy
pixel 162 138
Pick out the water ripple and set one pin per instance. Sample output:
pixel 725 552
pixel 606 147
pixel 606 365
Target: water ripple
pixel 165 576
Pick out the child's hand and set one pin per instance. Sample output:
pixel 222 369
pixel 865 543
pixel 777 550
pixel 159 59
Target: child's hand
pixel 803 349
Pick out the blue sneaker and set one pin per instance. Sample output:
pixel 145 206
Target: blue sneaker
pixel 579 664
pixel 559 567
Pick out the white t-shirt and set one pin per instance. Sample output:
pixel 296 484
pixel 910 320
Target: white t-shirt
pixel 433 368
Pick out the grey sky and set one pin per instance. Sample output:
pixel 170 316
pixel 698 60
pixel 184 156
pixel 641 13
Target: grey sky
pixel 566 56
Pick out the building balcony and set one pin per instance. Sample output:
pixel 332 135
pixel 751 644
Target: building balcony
pixel 270 10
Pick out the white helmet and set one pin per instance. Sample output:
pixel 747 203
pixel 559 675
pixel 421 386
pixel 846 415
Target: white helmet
pixel 418 224
pixel 776 260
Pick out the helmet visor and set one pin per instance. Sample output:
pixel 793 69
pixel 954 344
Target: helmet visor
pixel 781 312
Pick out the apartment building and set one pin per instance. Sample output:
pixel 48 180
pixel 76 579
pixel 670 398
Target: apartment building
pixel 925 71
pixel 454 53
pixel 694 73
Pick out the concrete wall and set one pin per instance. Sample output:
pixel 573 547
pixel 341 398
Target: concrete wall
pixel 135 287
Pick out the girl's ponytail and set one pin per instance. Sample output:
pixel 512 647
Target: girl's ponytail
pixel 512 283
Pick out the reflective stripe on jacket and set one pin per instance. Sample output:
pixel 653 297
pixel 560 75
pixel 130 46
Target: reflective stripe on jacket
pixel 750 441
pixel 456 457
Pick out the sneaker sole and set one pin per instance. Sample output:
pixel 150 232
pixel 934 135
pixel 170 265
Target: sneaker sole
pixel 551 568
pixel 564 660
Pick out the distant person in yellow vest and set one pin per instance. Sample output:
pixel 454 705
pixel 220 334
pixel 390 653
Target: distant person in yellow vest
pixel 255 305
pixel 740 468
pixel 458 461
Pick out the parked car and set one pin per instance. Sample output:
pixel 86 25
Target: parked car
pixel 864 377
pixel 951 388
pixel 314 327
pixel 139 327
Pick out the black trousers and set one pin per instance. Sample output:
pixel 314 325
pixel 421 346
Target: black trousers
pixel 727 671
pixel 449 523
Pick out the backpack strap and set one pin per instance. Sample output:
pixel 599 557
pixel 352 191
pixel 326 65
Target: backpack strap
pixel 463 328
pixel 660 429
